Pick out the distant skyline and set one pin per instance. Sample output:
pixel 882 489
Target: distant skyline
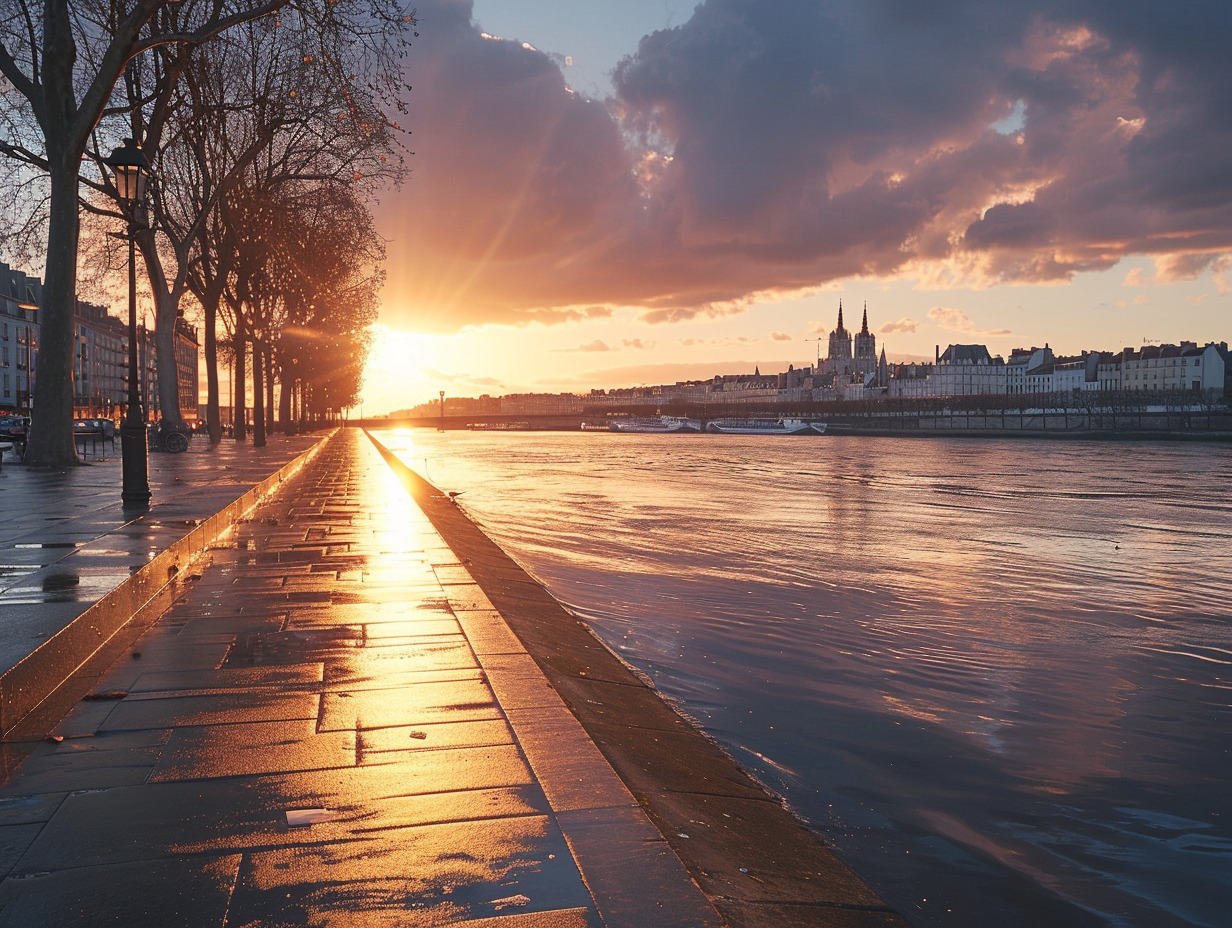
pixel 1046 173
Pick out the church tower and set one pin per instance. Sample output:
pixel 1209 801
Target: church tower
pixel 866 346
pixel 840 339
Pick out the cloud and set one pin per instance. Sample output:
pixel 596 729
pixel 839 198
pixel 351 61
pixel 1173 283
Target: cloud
pixel 763 149
pixel 1170 268
pixel 780 337
pixel 958 321
pixel 599 345
pixel 719 341
pixel 465 380
pixel 902 325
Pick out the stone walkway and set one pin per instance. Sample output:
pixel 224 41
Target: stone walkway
pixel 331 726
pixel 65 541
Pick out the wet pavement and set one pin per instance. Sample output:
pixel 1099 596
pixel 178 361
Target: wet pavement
pixel 65 541
pixel 330 725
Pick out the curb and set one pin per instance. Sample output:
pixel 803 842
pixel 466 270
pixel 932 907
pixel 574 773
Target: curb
pixel 30 683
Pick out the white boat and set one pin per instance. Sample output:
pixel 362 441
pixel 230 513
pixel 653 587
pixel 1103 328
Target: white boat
pixel 655 424
pixel 766 427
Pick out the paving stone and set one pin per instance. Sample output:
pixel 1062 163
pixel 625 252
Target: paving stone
pixel 615 841
pixel 168 711
pixel 19 809
pixel 252 748
pixel 297 676
pixel 385 665
pixel 572 771
pixel 193 893
pixel 14 841
pixel 460 699
pixel 435 736
pixel 444 872
pixel 99 762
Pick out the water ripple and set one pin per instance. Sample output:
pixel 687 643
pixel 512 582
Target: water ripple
pixel 994 674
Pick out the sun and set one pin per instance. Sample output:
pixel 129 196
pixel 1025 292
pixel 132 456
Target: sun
pixel 402 370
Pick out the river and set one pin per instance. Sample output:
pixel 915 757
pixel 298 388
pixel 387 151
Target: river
pixel 996 675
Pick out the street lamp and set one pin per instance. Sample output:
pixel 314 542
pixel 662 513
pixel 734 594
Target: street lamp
pixel 131 171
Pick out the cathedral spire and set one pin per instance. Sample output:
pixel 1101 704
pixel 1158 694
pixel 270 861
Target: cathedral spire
pixel 864 327
pixel 839 327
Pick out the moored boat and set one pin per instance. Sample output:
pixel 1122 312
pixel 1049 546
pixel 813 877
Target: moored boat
pixel 779 426
pixel 655 424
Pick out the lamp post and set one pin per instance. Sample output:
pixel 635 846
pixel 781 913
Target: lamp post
pixel 131 171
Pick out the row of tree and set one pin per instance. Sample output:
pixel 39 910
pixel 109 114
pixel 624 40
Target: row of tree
pixel 270 126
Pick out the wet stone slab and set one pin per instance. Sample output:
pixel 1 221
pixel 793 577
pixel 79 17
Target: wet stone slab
pixel 168 711
pixel 461 699
pixel 293 646
pixel 74 899
pixel 102 761
pixel 433 737
pixel 252 749
pixel 438 873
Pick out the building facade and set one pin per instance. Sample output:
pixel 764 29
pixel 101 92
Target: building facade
pixel 20 295
pixel 1168 368
pixel 187 368
pixel 100 384
pixel 100 356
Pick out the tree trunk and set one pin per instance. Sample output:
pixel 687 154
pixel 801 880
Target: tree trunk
pixel 213 419
pixel 269 389
pixel 287 393
pixel 239 409
pixel 166 310
pixel 51 428
pixel 258 395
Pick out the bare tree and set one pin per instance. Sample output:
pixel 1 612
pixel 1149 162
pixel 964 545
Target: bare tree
pixel 63 60
pixel 273 112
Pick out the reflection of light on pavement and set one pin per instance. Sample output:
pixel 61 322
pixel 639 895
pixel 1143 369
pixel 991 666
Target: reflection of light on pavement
pixel 403 521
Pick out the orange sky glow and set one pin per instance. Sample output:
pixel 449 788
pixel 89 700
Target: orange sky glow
pixel 689 192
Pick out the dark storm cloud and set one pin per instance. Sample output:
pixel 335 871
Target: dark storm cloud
pixel 772 145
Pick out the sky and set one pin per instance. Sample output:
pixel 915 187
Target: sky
pixel 610 194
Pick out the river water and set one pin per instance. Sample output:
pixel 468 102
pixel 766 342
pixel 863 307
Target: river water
pixel 995 675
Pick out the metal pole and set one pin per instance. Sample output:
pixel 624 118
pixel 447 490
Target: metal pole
pixel 133 450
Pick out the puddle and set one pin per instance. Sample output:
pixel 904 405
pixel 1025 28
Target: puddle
pixel 50 544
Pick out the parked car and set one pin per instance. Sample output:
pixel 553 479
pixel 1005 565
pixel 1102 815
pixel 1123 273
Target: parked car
pixel 15 430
